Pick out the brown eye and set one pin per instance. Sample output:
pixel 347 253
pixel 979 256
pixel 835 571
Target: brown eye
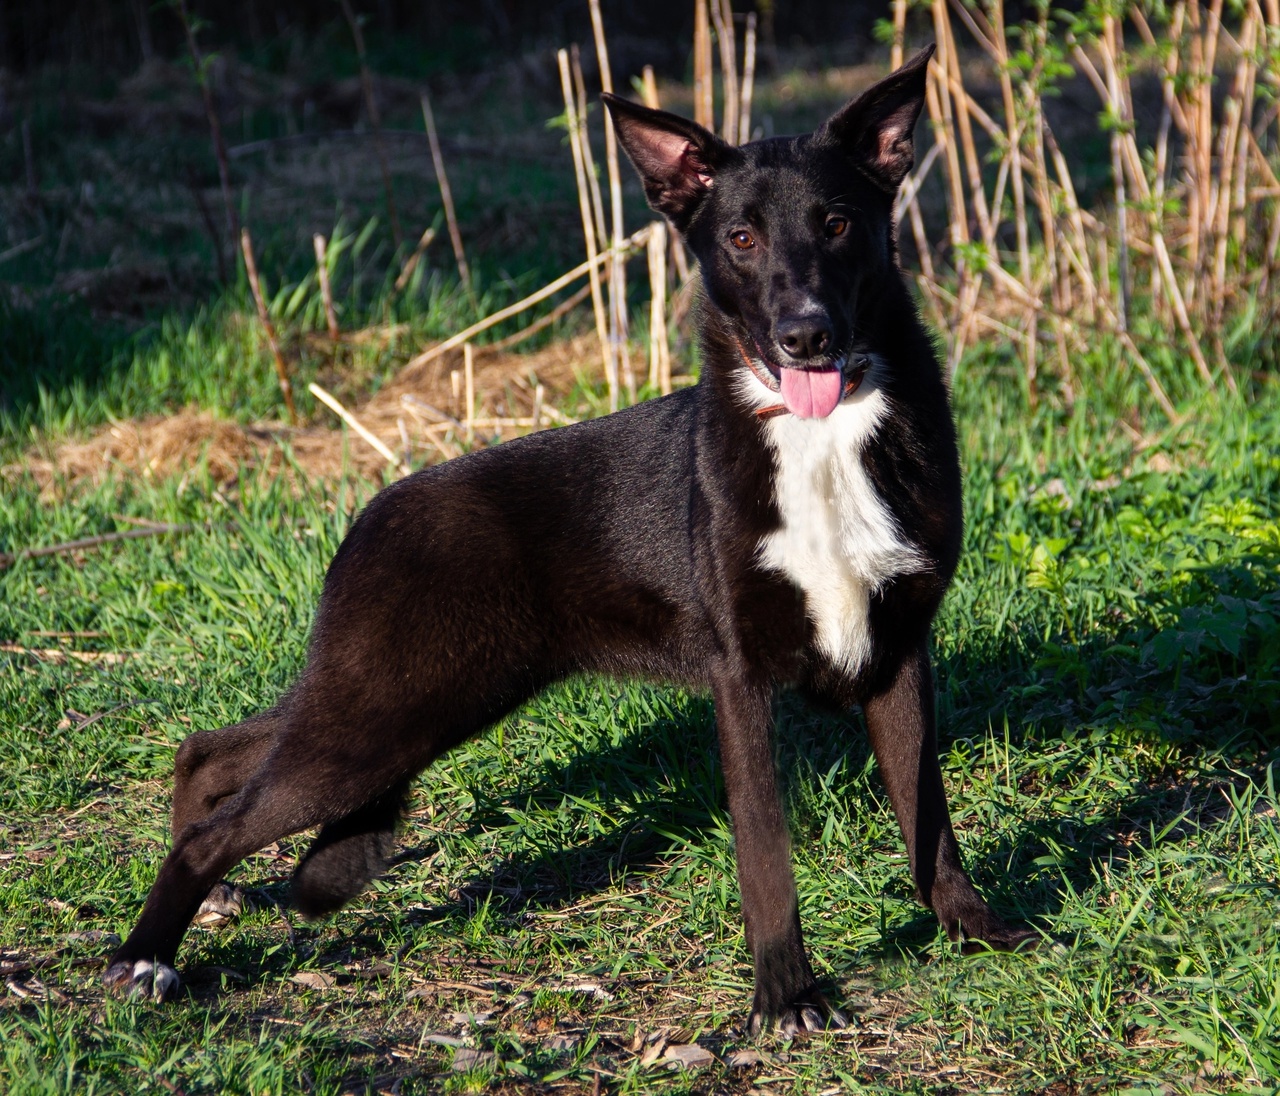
pixel 837 225
pixel 743 240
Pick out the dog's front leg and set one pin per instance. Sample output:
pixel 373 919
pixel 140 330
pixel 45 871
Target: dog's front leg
pixel 900 722
pixel 785 993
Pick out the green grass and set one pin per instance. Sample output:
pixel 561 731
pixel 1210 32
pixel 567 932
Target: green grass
pixel 1109 678
pixel 1108 665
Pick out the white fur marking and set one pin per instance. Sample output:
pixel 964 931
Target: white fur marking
pixel 838 541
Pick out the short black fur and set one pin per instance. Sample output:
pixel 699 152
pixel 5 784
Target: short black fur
pixel 631 545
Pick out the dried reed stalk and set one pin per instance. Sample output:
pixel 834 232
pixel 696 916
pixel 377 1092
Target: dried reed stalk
pixel 282 370
pixel 899 32
pixel 703 89
pixel 722 17
pixel 446 194
pixel 469 377
pixel 649 89
pixel 659 346
pixel 375 120
pixel 415 403
pixel 563 308
pixel 411 263
pixel 584 143
pixel 618 319
pixel 748 79
pixel 1132 159
pixel 326 291
pixel 588 230
pixel 215 133
pixel 1123 278
pixel 1072 278
pixel 636 240
pixel 331 401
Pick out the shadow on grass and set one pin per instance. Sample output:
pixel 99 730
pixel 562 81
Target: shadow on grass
pixel 1206 686
pixel 50 348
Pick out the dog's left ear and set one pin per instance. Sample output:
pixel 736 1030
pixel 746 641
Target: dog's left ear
pixel 676 158
pixel 877 127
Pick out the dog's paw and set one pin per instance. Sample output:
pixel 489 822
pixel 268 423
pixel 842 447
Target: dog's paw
pixel 813 1014
pixel 1010 940
pixel 977 928
pixel 993 934
pixel 142 978
pixel 223 903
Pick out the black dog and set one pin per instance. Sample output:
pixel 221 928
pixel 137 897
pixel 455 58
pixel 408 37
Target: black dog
pixel 794 519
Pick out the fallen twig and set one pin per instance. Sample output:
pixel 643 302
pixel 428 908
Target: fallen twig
pixel 21 249
pixel 28 966
pixel 8 559
pixel 346 416
pixel 59 656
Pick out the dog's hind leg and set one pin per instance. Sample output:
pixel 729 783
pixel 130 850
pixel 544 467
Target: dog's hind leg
pixel 209 767
pixel 316 772
pixel 900 722
pixel 347 854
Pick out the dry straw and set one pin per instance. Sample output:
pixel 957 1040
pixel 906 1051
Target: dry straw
pixel 1189 214
pixel 446 194
pixel 589 227
pixel 321 247
pixel 282 370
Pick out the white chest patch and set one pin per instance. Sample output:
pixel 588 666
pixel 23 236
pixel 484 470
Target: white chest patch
pixel 838 541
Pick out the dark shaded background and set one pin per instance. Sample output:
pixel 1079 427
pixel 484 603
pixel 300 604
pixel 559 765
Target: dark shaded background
pixel 117 35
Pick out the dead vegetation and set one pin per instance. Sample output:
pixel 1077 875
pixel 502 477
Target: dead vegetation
pixel 424 405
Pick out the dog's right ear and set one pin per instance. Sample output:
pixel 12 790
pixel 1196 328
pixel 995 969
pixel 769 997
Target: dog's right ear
pixel 677 159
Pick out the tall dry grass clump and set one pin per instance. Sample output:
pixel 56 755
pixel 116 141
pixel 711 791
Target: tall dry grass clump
pixel 1190 226
pixel 1179 244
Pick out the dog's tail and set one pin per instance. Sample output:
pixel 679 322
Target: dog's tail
pixel 347 854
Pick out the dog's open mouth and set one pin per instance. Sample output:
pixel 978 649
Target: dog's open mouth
pixel 808 393
pixel 812 393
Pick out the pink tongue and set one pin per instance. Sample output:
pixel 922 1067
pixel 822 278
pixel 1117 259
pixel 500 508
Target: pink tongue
pixel 811 393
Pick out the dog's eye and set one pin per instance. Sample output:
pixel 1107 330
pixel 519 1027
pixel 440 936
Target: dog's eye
pixel 743 240
pixel 837 225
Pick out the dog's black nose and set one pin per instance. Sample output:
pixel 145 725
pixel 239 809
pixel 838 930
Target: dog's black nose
pixel 804 336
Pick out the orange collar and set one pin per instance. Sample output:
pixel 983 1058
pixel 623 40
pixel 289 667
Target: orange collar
pixel 770 382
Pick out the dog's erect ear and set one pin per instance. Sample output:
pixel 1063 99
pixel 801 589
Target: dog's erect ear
pixel 676 158
pixel 877 127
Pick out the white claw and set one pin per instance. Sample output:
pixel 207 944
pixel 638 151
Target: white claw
pixel 155 980
pixel 164 982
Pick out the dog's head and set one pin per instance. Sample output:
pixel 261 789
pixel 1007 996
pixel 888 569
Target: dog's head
pixel 794 235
